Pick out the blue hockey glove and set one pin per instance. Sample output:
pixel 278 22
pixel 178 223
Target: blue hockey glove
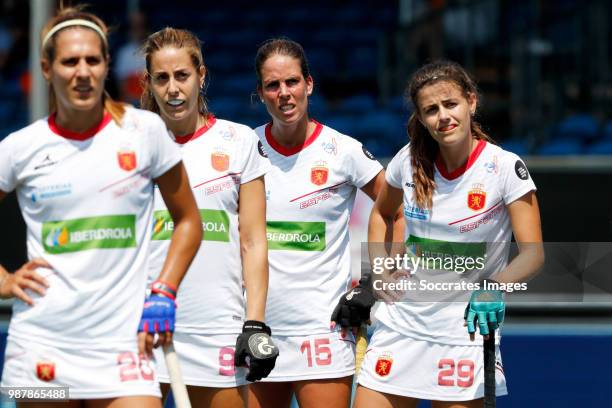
pixel 159 309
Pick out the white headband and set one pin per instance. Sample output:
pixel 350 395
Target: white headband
pixel 74 22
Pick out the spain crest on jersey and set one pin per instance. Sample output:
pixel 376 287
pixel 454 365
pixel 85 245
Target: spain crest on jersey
pixel 45 370
pixel 383 365
pixel 219 161
pixel 127 159
pixel 476 198
pixel 319 173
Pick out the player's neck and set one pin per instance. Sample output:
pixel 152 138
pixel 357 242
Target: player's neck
pixel 78 121
pixel 294 134
pixel 186 126
pixel 457 155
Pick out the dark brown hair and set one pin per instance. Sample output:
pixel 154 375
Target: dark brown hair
pixel 179 39
pixel 280 46
pixel 115 109
pixel 423 147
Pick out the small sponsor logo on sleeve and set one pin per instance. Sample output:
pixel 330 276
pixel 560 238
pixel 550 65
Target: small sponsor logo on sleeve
pixel 367 153
pixel 521 170
pixel 261 150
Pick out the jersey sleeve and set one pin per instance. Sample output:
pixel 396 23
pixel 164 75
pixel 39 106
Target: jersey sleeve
pixel 393 175
pixel 515 178
pixel 165 154
pixel 8 178
pixel 256 162
pixel 361 165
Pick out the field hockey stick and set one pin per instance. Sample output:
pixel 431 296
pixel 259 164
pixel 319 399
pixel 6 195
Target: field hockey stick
pixel 489 370
pixel 179 390
pixel 361 345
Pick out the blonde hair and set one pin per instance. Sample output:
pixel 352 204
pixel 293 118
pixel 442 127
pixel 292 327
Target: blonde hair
pixel 48 44
pixel 179 39
pixel 423 148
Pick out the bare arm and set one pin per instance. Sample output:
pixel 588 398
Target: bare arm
pixel 385 222
pixel 178 197
pixel 373 189
pixel 176 192
pixel 254 246
pixel 525 219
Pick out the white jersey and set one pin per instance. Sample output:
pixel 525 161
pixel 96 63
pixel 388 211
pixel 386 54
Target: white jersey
pixel 219 157
pixel 469 219
pixel 310 193
pixel 87 200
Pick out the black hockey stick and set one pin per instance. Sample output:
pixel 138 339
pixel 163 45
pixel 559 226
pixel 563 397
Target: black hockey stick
pixel 489 370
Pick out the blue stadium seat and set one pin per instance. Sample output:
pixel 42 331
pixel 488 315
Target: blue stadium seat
pixel 322 61
pixel 6 112
pixel 236 85
pixel 379 148
pixel 231 108
pixel 516 146
pixel 359 104
pixel 317 106
pixel 398 104
pixel 388 130
pixel 344 124
pixel 607 130
pixel 603 147
pixel 228 63
pixel 583 126
pixel 362 61
pixel 561 147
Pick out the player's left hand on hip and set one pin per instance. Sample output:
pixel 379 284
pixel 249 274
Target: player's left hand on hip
pixel 158 317
pixel 256 350
pixel 485 310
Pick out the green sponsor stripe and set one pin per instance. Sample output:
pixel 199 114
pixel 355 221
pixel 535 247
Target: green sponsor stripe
pixel 216 225
pixel 162 225
pixel 214 222
pixel 433 248
pixel 108 231
pixel 296 236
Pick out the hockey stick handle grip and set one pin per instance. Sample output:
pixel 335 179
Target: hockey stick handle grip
pixel 179 390
pixel 489 371
pixel 361 345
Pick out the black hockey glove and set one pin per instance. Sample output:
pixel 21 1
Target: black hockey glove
pixel 256 350
pixel 354 306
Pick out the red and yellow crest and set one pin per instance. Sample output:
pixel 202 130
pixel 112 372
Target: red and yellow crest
pixel 127 159
pixel 319 174
pixel 45 370
pixel 476 198
pixel 383 365
pixel 219 161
